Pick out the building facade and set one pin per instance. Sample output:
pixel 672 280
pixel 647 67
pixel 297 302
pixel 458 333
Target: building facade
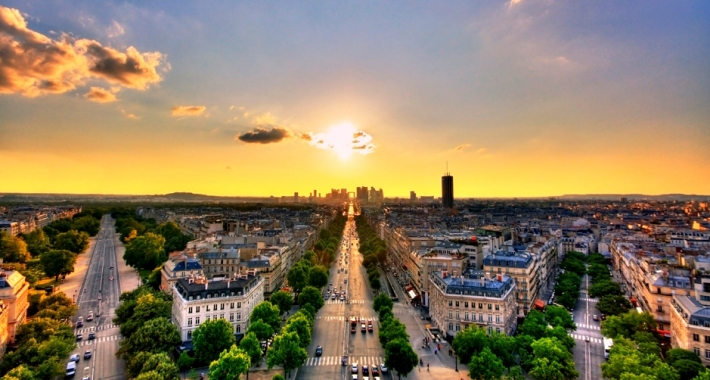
pixel 690 326
pixel 523 269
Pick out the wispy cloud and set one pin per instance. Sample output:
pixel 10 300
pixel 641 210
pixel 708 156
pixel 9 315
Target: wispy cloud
pixel 115 30
pixel 33 64
pixel 261 135
pixel 461 147
pixel 129 115
pixel 100 95
pixel 343 139
pixel 188 110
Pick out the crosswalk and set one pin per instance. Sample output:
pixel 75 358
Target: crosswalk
pixel 589 299
pixel 340 318
pixel 99 340
pixel 584 338
pixel 588 327
pixel 338 301
pixel 336 360
pixel 94 329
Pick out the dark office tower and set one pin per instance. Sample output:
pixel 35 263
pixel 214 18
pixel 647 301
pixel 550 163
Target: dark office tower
pixel 447 191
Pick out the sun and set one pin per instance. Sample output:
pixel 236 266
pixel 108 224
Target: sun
pixel 340 139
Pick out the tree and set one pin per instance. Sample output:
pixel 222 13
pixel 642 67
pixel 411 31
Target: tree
pixel 150 375
pixel 277 377
pixel 302 327
pixel 134 364
pixel 380 301
pixel 250 344
pixel 185 361
pixel 211 338
pixel 286 351
pixel 162 364
pixel 318 277
pixel 73 241
pixel 312 296
pixel 534 325
pixel 625 359
pixel 544 368
pixel 613 305
pixel 400 356
pixel 298 277
pixel 37 242
pixel 131 315
pixel 56 262
pixel 42 329
pixel 13 249
pixel 267 312
pixel 282 299
pixel 393 329
pixel 605 287
pixel 485 366
pixel 87 223
pixel 156 335
pixel 687 369
pixel 20 373
pixel 469 343
pixel 557 316
pixel 375 284
pixel 705 375
pixel 145 252
pixel 515 373
pixel 260 329
pixel 559 358
pixel 676 354
pixel 503 347
pixel 57 306
pixel 628 324
pixel 230 365
pixel 175 240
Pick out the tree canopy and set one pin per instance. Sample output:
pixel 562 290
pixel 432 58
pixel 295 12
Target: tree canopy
pixel 312 296
pixel 230 364
pixel 73 241
pixel 286 351
pixel 400 356
pixel 56 262
pixel 268 313
pixel 211 338
pixel 145 252
pixel 282 299
pixel 13 249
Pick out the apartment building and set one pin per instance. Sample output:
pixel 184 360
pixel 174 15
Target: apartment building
pixel 473 298
pixel 270 268
pixel 690 326
pixel 178 267
pixel 441 260
pixel 523 268
pixel 199 300
pixel 14 290
pixel 4 328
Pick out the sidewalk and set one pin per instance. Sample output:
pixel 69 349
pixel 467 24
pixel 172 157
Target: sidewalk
pixel 128 278
pixel 71 286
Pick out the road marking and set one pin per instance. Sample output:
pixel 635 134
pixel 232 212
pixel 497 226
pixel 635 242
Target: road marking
pixel 92 329
pixel 100 339
pixel 337 301
pixel 336 360
pixel 588 327
pixel 584 338
pixel 589 299
pixel 342 319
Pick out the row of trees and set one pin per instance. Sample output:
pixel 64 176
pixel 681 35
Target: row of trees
pixel 393 336
pixel 150 250
pixel 637 354
pixel 611 298
pixel 329 239
pixel 542 347
pixel 373 250
pixel 567 287
pixel 304 273
pixel 43 342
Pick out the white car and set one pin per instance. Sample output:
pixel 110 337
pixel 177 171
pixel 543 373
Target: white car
pixel 74 358
pixel 383 368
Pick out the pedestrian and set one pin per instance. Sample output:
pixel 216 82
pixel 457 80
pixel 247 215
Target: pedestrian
pixel 427 367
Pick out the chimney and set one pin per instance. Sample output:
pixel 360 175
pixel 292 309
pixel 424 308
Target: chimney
pixel 207 284
pixel 444 273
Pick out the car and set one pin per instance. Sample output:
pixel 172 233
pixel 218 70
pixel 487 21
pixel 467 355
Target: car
pixel 369 327
pixel 87 354
pixel 603 317
pixel 342 298
pixel 344 360
pixel 383 368
pixel 595 317
pixel 363 328
pixel 354 368
pixel 79 337
pixel 90 317
pixel 354 377
pixel 376 378
pixel 375 371
pixel 332 296
pixel 365 371
pixel 319 350
pixel 80 323
pixel 74 358
pixel 92 336
pixel 352 330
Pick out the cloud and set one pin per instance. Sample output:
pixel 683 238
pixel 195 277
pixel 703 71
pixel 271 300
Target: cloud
pixel 32 64
pixel 100 95
pixel 261 135
pixel 461 147
pixel 115 30
pixel 481 150
pixel 342 139
pixel 188 110
pixel 512 3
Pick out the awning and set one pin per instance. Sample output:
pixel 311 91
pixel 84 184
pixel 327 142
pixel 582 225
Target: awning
pixel 539 304
pixel 665 333
pixel 411 294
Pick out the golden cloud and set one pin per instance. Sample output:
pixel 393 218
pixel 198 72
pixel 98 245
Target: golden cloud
pixel 461 147
pixel 100 95
pixel 188 110
pixel 32 64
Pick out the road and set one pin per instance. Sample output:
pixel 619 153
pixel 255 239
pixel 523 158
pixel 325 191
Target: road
pixel 99 294
pixel 589 350
pixel 332 326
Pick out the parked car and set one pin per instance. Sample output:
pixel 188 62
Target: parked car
pixel 354 368
pixel 79 337
pixel 595 317
pixel 363 328
pixel 383 368
pixel 80 323
pixel 365 371
pixel 319 350
pixel 87 354
pixel 375 371
pixel 74 358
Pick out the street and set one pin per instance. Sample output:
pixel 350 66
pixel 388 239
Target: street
pixel 589 350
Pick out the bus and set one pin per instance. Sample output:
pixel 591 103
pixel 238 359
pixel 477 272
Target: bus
pixel 608 344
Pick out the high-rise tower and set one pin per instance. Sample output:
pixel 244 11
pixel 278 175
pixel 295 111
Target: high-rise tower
pixel 447 190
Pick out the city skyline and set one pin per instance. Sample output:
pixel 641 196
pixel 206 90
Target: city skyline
pixel 523 98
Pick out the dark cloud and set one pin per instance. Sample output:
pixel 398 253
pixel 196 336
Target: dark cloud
pixel 261 135
pixel 32 64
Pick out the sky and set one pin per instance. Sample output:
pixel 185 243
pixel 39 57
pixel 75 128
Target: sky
pixel 521 98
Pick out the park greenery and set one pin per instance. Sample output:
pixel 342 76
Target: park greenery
pixel 373 251
pixel 393 336
pixel 611 298
pixel 43 342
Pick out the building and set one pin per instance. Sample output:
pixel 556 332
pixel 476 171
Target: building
pixel 13 293
pixel 447 191
pixel 690 326
pixel 523 268
pixel 198 300
pixel 4 331
pixel 474 298
pixel 176 268
pixel 440 260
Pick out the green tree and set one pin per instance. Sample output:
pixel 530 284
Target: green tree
pixel 485 366
pixel 318 276
pixel 134 364
pixel 469 343
pixel 676 354
pixel 552 350
pixel 605 287
pixel 312 296
pixel 503 346
pixel 185 361
pixel 687 369
pixel 625 359
pixel 557 316
pixel 298 277
pixel 87 224
pixel 150 375
pixel 20 373
pixel 515 373
pixel 230 365
pixel 375 284
pixel 382 300
pixel 613 305
pixel 162 364
pixel 628 324
pixel 73 241
pixel 250 344
pixel 286 351
pixel 277 377
pixel 57 306
pixel 211 338
pixel 544 369
pixel 13 249
pixel 260 329
pixel 302 327
pixel 705 375
pixel 156 335
pixel 391 330
pixel 282 299
pixel 400 356
pixel 145 252
pixel 175 240
pixel 267 312
pixel 37 242
pixel 42 329
pixel 56 262
pixel 131 315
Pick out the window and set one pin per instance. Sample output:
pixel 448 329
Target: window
pixel 457 315
pixel 451 316
pixel 451 327
pixel 480 305
pixel 465 304
pixel 189 321
pixel 189 310
pixel 239 316
pixel 489 306
pixel 696 338
pixel 490 318
pixel 707 354
pixel 457 303
pixel 189 335
pixel 221 306
pixel 707 339
pixel 696 350
pixel 197 321
pixel 465 317
pixel 207 308
pixel 239 305
pixel 197 309
pixel 231 305
pixel 450 303
pixel 221 316
pixel 458 327
pixel 215 307
pixel 238 329
pixel 497 318
pixel 231 317
pixel 497 307
pixel 207 318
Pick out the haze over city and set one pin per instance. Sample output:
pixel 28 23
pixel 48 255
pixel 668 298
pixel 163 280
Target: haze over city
pixel 523 98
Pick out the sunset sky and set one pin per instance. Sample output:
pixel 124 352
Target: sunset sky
pixel 521 98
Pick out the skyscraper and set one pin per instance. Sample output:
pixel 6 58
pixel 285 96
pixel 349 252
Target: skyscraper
pixel 447 191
